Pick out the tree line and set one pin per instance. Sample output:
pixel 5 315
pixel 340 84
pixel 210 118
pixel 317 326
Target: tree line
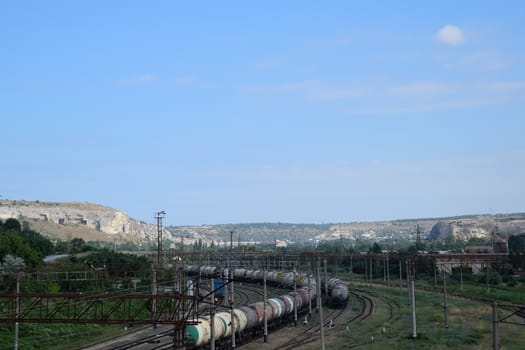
pixel 26 244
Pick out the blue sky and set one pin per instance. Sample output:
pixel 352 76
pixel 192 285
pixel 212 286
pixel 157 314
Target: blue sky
pixel 296 111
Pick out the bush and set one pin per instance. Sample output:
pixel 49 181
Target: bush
pixel 494 278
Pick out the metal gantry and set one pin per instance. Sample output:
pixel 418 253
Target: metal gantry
pixel 176 305
pixel 97 308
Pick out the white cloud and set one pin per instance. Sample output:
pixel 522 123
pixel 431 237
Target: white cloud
pixel 409 97
pixel 506 86
pixel 186 79
pixel 451 35
pixel 413 107
pixel 423 89
pixel 271 63
pixel 140 79
pixel 318 91
pixel 488 60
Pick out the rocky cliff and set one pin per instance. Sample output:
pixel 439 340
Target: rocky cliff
pixel 478 226
pixel 461 227
pixel 104 223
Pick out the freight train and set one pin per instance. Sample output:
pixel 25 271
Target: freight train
pixel 248 319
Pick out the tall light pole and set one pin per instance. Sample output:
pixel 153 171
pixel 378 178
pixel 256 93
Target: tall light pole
pixel 159 216
pixel 264 306
pixel 17 306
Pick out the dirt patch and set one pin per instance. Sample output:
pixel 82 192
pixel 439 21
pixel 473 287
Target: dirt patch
pixel 66 233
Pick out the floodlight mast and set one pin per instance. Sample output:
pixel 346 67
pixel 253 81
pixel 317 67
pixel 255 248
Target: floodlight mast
pixel 159 216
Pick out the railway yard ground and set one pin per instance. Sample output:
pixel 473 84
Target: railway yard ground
pixel 389 324
pixel 376 317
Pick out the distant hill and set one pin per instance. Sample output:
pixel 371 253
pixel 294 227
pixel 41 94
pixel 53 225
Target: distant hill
pixel 92 222
pixel 480 226
pixel 256 232
pixel 461 227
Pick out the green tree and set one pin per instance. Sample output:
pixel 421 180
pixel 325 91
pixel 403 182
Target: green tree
pixel 412 249
pixel 11 242
pixel 116 262
pixel 38 242
pixel 12 224
pixel 76 245
pixel 53 288
pixel 11 264
pixel 376 248
pixel 8 268
pixel 61 247
pixel 517 244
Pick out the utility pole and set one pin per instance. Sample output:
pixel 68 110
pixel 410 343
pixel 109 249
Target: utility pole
pixel 351 268
pixel 400 280
pixel 231 240
pixel 435 273
pixel 495 345
pixel 488 278
pixel 387 270
pixel 461 277
pixel 319 302
pixel 212 316
pixel 408 282
pixel 413 304
pixel 366 272
pixel 239 242
pixel 384 269
pixel 181 289
pixel 154 294
pixel 232 313
pixel 294 298
pixel 445 305
pixel 371 275
pixel 264 308
pixel 225 275
pixel 419 246
pixel 309 290
pixel 325 279
pixel 159 216
pixel 17 306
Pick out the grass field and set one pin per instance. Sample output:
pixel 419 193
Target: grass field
pixel 470 324
pixel 34 336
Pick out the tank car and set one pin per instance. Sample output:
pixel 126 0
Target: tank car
pixel 248 319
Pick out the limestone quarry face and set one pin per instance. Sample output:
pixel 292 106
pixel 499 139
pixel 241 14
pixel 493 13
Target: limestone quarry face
pixel 478 227
pixel 93 216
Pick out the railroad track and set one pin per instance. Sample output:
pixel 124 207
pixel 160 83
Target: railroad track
pixel 146 342
pixel 307 336
pixel 162 339
pixel 385 299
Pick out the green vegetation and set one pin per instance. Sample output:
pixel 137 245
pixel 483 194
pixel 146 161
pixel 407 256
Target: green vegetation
pixel 517 244
pixel 27 245
pixel 390 327
pixel 33 336
pixel 23 250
